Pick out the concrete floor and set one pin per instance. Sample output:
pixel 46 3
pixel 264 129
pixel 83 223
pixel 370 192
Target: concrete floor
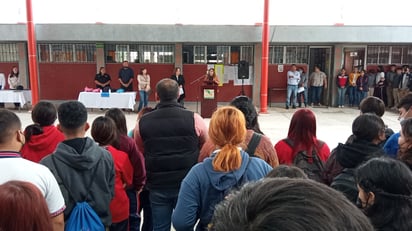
pixel 333 124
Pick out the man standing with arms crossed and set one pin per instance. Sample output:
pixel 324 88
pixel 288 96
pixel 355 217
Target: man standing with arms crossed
pixel 293 81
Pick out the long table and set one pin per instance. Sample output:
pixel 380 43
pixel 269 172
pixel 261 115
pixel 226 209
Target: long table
pixel 108 100
pixel 15 96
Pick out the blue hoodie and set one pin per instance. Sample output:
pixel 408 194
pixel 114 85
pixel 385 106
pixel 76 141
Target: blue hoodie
pixel 203 187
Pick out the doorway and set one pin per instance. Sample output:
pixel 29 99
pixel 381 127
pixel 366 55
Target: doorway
pixel 354 57
pixel 321 56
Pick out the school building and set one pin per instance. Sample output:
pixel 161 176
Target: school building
pixel 69 55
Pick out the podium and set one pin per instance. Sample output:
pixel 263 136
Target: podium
pixel 208 100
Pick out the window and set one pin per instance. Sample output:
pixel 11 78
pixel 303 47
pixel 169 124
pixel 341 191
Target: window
pixel 246 53
pixel 401 54
pixel 223 54
pixel 396 54
pixel 199 54
pixel 140 53
pixel 407 55
pixel 66 53
pixel 276 54
pixel 378 55
pixel 8 52
pixel 288 54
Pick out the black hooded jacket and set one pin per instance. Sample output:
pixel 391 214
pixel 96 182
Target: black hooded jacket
pixel 349 156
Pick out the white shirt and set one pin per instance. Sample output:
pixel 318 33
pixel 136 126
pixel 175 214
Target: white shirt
pixel 17 168
pixel 293 77
pixel 378 76
pixel 2 81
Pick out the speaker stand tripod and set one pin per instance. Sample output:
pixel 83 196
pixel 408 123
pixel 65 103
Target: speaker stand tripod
pixel 242 92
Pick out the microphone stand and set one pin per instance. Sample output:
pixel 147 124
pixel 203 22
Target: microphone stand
pixel 197 95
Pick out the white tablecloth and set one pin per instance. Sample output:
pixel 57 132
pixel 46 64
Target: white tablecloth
pixel 15 96
pixel 115 100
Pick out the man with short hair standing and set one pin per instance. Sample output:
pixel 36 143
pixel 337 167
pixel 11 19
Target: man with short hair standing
pixel 292 88
pixel 84 171
pixel 126 77
pixel 389 88
pixel 13 167
pixel 317 81
pixel 170 138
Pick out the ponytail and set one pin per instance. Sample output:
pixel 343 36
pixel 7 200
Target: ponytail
pixel 32 130
pixel 227 159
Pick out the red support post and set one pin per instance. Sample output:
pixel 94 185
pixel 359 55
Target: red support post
pixel 265 60
pixel 31 46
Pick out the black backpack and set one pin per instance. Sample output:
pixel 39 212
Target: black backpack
pixel 311 165
pixel 253 143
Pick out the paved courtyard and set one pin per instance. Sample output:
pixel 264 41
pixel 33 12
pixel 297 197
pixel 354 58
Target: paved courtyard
pixel 333 124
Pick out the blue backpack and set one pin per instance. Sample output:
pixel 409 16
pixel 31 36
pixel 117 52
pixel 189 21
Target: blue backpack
pixel 82 217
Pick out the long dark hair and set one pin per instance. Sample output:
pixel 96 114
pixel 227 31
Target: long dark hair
pixel 12 72
pixel 245 105
pixel 391 183
pixel 119 120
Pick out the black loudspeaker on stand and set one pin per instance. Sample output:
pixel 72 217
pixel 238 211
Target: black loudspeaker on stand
pixel 243 73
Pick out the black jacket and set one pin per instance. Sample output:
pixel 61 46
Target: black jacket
pixel 180 81
pixel 349 156
pixel 171 145
pixel 77 169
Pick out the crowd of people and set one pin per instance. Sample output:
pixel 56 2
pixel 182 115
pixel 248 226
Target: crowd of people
pixel 181 172
pixel 390 85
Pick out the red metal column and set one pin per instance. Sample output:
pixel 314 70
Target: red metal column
pixel 31 45
pixel 265 60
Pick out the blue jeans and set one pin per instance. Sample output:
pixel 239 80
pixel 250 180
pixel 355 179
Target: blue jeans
pixel 292 89
pixel 163 202
pixel 353 96
pixel 341 96
pixel 361 96
pixel 143 100
pixel 316 93
pixel 134 215
pixel 144 204
pixel 305 97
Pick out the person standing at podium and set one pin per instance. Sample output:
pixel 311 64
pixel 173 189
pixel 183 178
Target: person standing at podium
pixel 126 76
pixel 211 78
pixel 178 77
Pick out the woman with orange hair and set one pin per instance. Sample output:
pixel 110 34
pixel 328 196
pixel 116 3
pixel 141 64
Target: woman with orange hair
pixel 228 167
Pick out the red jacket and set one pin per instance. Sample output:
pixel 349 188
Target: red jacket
pixel 286 155
pixel 119 206
pixel 42 145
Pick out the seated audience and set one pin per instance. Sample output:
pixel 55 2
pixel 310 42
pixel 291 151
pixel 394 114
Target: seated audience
pixel 42 137
pixel 104 132
pixel 284 204
pixel 264 149
pixel 385 193
pixel 22 207
pixel 368 131
pixel 404 107
pixel 302 138
pixel 229 166
pixel 287 171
